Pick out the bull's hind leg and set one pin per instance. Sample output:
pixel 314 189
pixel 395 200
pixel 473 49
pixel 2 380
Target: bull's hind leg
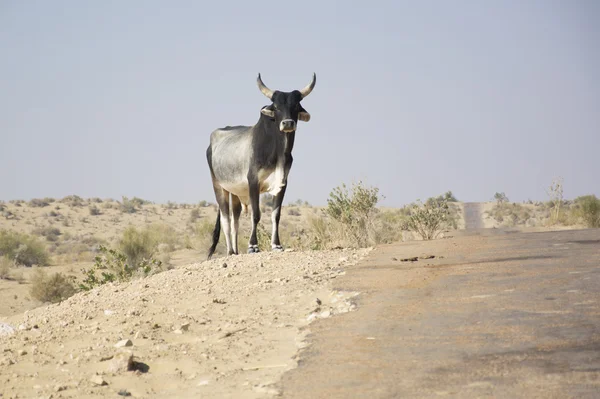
pixel 236 210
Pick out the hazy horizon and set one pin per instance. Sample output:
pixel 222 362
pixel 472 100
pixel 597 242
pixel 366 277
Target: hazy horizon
pixel 112 99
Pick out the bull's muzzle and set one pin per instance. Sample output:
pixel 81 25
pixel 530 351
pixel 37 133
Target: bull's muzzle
pixel 287 126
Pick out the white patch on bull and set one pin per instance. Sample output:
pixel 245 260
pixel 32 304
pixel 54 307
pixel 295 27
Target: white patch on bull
pixel 272 181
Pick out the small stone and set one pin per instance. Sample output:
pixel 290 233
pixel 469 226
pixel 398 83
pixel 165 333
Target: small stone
pixel 178 331
pixel 185 326
pixel 123 392
pixel 98 380
pixel 325 314
pixel 123 343
pixel 121 362
pixel 108 312
pixel 319 301
pixel 224 265
pixel 59 388
pixel 22 352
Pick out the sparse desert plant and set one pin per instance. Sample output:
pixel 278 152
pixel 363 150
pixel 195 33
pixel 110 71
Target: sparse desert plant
pixel 94 210
pixel 51 234
pixel 293 211
pixel 139 202
pixel 128 206
pixel 428 219
pixel 95 200
pixel 72 201
pixel 112 265
pixel 53 214
pixel 510 214
pixel 203 204
pixel 137 245
pixel 500 198
pixel 355 209
pixel 39 202
pixel 555 192
pixel 23 249
pixel 194 215
pixel 54 288
pixel 587 208
pixel 171 205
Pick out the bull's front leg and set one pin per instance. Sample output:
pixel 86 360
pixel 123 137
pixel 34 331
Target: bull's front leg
pixel 254 192
pixel 277 204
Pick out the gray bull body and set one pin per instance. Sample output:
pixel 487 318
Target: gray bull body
pixel 247 161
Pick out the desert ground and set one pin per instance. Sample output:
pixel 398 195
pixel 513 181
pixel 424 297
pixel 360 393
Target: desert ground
pixel 228 327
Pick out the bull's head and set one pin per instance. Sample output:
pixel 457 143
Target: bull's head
pixel 286 109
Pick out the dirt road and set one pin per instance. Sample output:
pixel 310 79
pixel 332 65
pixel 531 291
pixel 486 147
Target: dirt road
pixel 504 315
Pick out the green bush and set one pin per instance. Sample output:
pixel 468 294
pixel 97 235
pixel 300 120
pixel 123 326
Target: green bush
pixel 587 208
pixel 428 219
pixel 113 265
pixel 355 210
pixel 40 203
pixel 54 288
pixel 23 249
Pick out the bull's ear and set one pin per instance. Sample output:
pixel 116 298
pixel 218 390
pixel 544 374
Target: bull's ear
pixel 268 111
pixel 303 115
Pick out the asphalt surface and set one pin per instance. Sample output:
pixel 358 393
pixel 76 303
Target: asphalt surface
pixel 501 315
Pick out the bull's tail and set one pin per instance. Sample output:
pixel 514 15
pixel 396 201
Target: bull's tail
pixel 216 235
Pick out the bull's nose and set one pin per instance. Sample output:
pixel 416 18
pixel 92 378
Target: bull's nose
pixel 287 125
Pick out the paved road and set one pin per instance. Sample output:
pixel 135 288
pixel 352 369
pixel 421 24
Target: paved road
pixel 502 315
pixel 472 215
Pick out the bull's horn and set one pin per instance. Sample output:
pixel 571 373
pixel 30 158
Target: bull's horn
pixel 306 91
pixel 264 89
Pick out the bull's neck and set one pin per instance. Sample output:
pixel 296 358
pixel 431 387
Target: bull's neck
pixel 271 129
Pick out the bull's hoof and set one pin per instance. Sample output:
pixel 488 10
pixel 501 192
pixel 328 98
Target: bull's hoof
pixel 277 248
pixel 253 249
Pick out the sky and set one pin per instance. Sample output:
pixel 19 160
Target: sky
pixel 119 98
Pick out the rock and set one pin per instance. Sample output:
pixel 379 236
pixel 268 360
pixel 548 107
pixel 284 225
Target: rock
pixel 98 380
pixel 325 314
pixel 224 265
pixel 6 329
pixel 59 388
pixel 22 352
pixel 185 327
pixel 123 343
pixel 319 302
pixel 123 392
pixel 121 362
pixel 108 312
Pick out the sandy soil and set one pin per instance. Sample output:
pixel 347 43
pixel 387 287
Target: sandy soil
pixel 228 327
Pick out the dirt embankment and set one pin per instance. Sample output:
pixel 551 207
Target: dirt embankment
pixel 228 327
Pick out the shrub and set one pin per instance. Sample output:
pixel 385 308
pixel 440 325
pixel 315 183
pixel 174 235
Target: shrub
pixel 54 288
pixel 95 200
pixel 72 200
pixel 137 245
pixel 22 249
pixel 355 210
pixel 194 215
pixel 428 219
pixel 203 204
pixel 40 203
pixel 171 205
pixel 138 202
pixel 114 265
pixel 51 234
pixel 127 206
pixel 293 212
pixel 588 208
pixel 94 210
pixel 500 198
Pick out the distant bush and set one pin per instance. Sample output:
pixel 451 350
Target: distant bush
pixel 95 200
pixel 171 205
pixel 72 201
pixel 40 203
pixel 194 215
pixel 587 208
pixel 53 214
pixel 23 249
pixel 510 214
pixel 51 234
pixel 428 219
pixel 112 265
pixel 94 210
pixel 355 210
pixel 294 212
pixel 128 206
pixel 500 198
pixel 138 202
pixel 203 204
pixel 54 288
